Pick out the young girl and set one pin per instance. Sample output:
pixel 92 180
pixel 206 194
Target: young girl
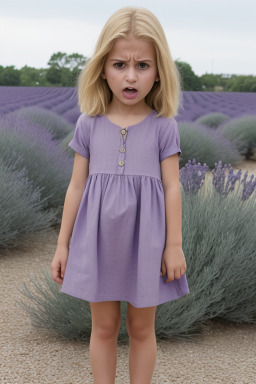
pixel 123 204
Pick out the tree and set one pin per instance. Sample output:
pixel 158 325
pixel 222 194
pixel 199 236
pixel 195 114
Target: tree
pixel 62 60
pixel 29 76
pixel 53 75
pixel 189 80
pixel 64 69
pixel 10 76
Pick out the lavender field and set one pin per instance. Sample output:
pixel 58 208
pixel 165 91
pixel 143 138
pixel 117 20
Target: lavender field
pixel 63 101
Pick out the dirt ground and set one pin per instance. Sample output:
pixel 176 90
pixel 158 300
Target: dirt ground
pixel 28 355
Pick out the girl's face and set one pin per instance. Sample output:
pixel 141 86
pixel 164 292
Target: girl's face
pixel 131 63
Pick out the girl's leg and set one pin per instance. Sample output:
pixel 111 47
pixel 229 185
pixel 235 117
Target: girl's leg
pixel 106 321
pixel 140 324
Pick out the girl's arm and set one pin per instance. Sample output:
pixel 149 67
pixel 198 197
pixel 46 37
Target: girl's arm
pixel 73 198
pixel 173 208
pixel 173 261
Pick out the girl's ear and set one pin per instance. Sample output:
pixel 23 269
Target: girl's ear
pixel 103 76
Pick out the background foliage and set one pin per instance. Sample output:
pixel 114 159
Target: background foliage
pixel 64 69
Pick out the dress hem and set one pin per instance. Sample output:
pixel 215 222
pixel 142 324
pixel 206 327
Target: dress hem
pixel 77 294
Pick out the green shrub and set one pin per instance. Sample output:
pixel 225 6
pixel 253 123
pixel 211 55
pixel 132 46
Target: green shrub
pixel 47 164
pixel 212 120
pixel 21 207
pixel 206 145
pixel 53 123
pixel 242 132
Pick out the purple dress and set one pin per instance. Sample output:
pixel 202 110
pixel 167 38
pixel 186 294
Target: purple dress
pixel 119 233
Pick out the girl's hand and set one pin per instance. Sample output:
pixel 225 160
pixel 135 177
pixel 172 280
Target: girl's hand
pixel 173 263
pixel 59 263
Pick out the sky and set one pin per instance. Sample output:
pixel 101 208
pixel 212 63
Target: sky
pixel 212 36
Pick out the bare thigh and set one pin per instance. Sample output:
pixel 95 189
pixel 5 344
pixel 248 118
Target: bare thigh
pixel 106 318
pixel 140 322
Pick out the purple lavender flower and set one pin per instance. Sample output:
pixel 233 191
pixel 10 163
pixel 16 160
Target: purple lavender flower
pixel 219 178
pixel 192 176
pixel 249 186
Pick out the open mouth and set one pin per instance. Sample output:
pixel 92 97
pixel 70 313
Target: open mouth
pixel 130 90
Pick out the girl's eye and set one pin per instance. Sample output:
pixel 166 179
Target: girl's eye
pixel 144 64
pixel 123 63
pixel 117 64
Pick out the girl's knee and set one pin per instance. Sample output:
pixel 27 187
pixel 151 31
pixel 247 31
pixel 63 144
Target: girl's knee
pixel 106 319
pixel 139 330
pixel 106 330
pixel 140 322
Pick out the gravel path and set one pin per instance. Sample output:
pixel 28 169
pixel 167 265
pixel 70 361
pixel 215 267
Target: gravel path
pixel 222 354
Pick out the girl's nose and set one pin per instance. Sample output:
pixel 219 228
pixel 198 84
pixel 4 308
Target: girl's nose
pixel 131 73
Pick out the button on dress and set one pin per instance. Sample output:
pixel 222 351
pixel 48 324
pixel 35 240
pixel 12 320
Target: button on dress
pixel 119 232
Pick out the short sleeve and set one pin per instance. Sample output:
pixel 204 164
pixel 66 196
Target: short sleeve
pixel 170 140
pixel 80 141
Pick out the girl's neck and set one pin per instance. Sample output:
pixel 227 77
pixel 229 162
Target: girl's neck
pixel 126 121
pixel 129 115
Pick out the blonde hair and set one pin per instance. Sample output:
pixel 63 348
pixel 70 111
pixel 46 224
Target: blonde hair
pixel 94 94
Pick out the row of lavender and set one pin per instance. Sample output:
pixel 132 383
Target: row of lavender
pixel 63 101
pixel 219 218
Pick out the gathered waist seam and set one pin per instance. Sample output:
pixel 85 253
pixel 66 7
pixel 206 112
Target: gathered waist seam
pixel 106 173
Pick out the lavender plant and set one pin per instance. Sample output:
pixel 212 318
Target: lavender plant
pixel 224 187
pixel 48 165
pixel 242 132
pixel 206 145
pixel 21 206
pixel 248 186
pixel 53 123
pixel 212 120
pixel 192 176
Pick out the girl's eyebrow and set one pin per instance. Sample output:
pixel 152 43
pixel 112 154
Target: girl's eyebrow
pixel 129 60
